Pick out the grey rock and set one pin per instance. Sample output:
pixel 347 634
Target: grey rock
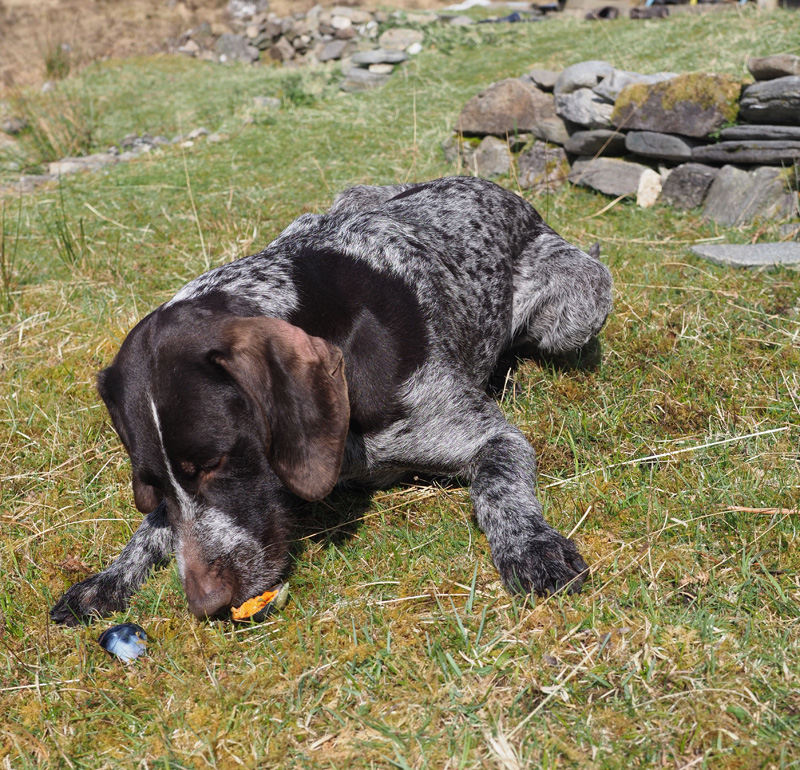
pixel 667 147
pixel 88 163
pixel 341 22
pixel 400 38
pixel 772 101
pixel 29 182
pixel 196 133
pixel 334 49
pixel 585 108
pixel 345 34
pixel 381 69
pixel 608 175
pixel 263 40
pixel 771 67
pixel 737 196
pixel 601 141
pixel 544 79
pixel 757 131
pixel 552 130
pixel 687 185
pixel 283 50
pixel 694 105
pixel 750 152
pixel 459 21
pixel 508 107
pixel 610 86
pixel 247 9
pixel 790 230
pixel 492 157
pixel 379 56
pixel 360 79
pixel 230 47
pixel 267 102
pixel 202 34
pixel 542 168
pixel 455 147
pixel 750 255
pixel 13 125
pixel 585 74
pixel 190 48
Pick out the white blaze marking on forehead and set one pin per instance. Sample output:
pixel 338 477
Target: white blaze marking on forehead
pixel 186 504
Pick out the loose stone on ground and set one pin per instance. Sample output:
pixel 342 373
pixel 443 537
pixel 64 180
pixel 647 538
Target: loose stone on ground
pixel 750 255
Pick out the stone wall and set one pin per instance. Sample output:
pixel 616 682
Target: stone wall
pixel 689 140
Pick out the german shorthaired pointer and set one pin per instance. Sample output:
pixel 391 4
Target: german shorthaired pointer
pixel 355 348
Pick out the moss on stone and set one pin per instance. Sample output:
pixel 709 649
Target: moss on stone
pixel 708 91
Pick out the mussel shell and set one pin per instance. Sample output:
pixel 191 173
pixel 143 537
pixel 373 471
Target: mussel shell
pixel 127 641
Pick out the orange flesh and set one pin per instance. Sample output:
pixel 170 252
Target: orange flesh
pixel 254 605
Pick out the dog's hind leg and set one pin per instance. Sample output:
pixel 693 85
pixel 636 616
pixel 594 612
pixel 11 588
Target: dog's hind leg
pixel 562 295
pixel 109 591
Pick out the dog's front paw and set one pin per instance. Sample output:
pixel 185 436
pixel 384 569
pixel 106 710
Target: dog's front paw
pixel 94 597
pixel 543 563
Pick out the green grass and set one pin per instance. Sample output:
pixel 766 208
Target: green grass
pixel 399 647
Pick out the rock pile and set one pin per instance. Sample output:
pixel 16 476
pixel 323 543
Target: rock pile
pixel 352 35
pixel 668 136
pixel 130 147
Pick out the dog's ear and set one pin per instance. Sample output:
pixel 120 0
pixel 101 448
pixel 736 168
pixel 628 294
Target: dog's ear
pixel 297 386
pixel 145 496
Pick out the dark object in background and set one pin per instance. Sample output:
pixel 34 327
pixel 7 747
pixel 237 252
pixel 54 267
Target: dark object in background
pixel 650 12
pixel 607 12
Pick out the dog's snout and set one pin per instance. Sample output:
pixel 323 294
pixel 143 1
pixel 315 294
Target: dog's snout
pixel 207 594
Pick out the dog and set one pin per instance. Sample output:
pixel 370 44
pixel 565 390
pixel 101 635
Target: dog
pixel 354 349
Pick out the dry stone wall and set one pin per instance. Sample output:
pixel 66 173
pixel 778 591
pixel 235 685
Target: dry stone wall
pixel 689 140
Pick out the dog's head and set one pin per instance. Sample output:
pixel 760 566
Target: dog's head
pixel 225 418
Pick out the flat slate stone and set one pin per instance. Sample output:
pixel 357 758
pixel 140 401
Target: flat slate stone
pixel 360 79
pixel 687 185
pixel 737 196
pixel 552 130
pixel 379 56
pixel 82 163
pixel 667 147
pixel 749 152
pixel 609 87
pixel 333 49
pixel 508 107
pixel 771 67
pixel 772 101
pixel 601 141
pixel 757 131
pixel 750 255
pixel 585 74
pixel 694 105
pixel 544 79
pixel 585 108
pixel 400 38
pixel 608 175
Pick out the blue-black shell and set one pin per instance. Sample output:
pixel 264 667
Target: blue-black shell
pixel 127 641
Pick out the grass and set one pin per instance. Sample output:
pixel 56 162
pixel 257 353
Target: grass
pixel 676 462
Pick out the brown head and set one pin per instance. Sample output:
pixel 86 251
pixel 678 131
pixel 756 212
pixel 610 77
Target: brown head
pixel 227 418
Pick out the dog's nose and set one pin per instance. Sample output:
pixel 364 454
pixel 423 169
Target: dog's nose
pixel 206 594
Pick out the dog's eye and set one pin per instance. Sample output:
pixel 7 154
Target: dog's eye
pixel 212 465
